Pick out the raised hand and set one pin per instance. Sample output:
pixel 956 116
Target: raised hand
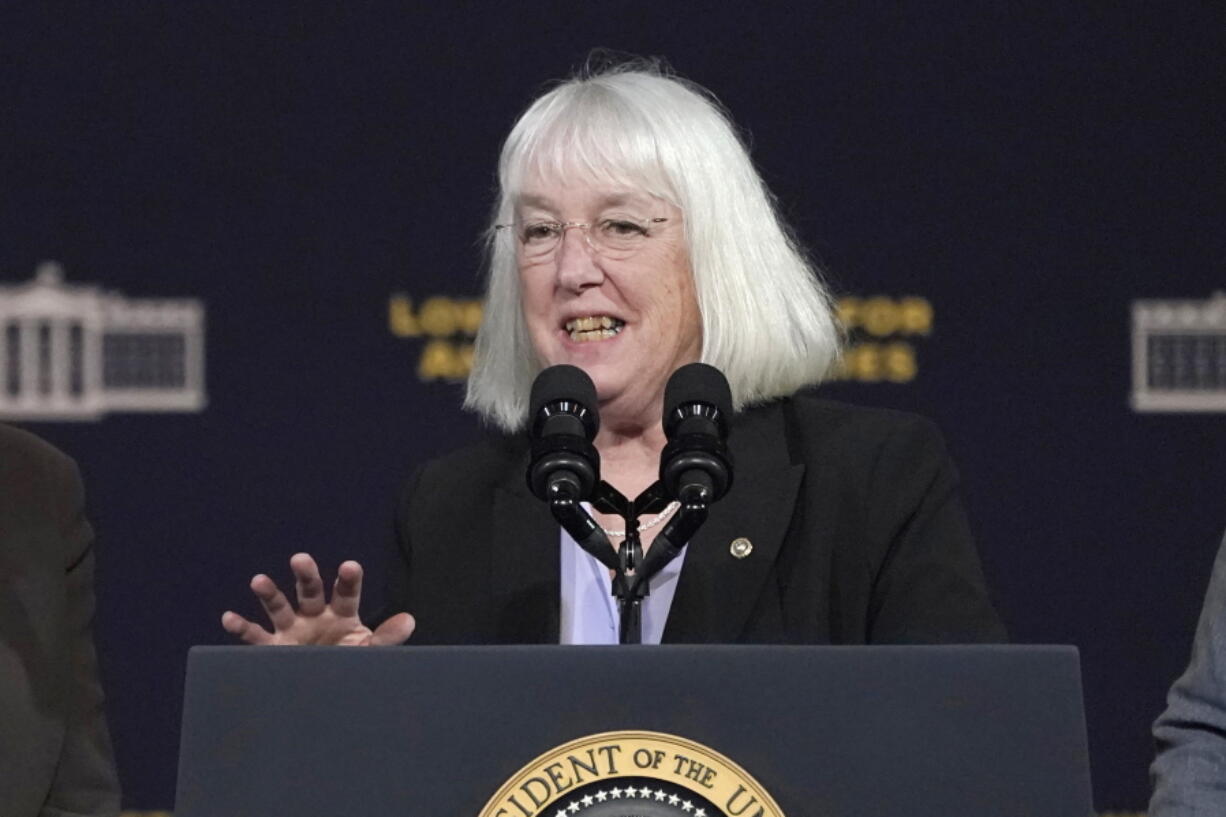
pixel 316 621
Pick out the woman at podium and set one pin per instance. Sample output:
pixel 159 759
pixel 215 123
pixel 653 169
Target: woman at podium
pixel 632 235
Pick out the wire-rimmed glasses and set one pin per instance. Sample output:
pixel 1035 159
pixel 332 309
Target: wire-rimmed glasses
pixel 615 237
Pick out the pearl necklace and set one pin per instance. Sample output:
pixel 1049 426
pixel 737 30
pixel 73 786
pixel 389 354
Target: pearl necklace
pixel 660 517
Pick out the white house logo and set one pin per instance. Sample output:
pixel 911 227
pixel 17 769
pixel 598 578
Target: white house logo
pixel 631 774
pixel 1179 355
pixel 79 352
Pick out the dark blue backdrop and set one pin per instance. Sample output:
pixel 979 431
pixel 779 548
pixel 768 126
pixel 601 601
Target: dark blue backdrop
pixel 1029 171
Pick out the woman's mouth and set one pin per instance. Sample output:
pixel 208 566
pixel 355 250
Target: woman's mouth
pixel 595 327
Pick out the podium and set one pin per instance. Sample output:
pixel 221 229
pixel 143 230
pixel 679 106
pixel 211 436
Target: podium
pixel 699 731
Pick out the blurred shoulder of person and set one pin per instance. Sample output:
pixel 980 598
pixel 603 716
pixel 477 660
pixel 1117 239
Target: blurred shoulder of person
pixel 1189 772
pixel 55 755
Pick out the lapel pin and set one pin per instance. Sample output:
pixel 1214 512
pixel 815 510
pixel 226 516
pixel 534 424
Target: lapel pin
pixel 740 547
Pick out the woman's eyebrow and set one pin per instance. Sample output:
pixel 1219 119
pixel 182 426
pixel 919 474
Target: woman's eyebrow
pixel 621 199
pixel 533 200
pixel 608 200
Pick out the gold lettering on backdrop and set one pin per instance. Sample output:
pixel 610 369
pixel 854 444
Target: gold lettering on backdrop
pixel 870 362
pixel 445 360
pixel 916 316
pixel 882 331
pixel 880 337
pixel 446 326
pixel 881 316
pixel 401 320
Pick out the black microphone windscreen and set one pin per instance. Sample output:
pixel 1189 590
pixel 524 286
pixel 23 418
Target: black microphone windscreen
pixel 562 382
pixel 698 383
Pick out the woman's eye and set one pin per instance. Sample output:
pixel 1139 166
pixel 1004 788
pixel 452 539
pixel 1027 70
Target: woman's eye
pixel 540 231
pixel 621 227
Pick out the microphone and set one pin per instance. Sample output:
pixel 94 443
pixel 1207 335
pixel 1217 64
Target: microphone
pixel 564 420
pixel 695 465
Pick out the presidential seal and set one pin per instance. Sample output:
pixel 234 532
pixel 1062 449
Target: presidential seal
pixel 631 774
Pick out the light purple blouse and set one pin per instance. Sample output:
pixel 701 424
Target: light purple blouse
pixel 589 610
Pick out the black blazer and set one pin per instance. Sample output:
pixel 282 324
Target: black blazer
pixel 55 753
pixel 857 530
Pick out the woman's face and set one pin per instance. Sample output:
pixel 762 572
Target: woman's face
pixel 629 321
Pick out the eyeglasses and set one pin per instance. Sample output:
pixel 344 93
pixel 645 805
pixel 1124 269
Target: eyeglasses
pixel 615 237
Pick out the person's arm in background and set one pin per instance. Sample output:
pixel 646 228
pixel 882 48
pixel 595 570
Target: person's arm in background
pixel 1189 773
pixel 85 779
pixel 55 750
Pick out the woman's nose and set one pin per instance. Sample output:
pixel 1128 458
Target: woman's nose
pixel 578 266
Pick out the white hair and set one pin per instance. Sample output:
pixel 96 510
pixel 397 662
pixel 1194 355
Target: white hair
pixel 767 318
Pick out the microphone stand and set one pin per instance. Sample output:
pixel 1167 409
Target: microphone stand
pixel 631 569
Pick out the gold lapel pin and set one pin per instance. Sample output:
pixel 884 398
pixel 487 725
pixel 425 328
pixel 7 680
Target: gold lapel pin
pixel 740 547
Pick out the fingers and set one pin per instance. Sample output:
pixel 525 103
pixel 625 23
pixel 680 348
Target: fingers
pixel 310 586
pixel 249 632
pixel 275 604
pixel 312 603
pixel 396 630
pixel 347 592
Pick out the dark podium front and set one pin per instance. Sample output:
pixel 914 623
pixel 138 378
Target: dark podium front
pixel 824 731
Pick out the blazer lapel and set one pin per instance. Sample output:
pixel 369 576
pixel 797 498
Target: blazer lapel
pixel 716 591
pixel 524 563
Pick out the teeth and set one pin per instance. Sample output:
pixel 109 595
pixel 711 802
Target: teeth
pixel 595 334
pixel 594 322
pixel 597 327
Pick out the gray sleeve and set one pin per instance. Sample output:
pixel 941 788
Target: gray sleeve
pixel 1189 773
pixel 85 782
